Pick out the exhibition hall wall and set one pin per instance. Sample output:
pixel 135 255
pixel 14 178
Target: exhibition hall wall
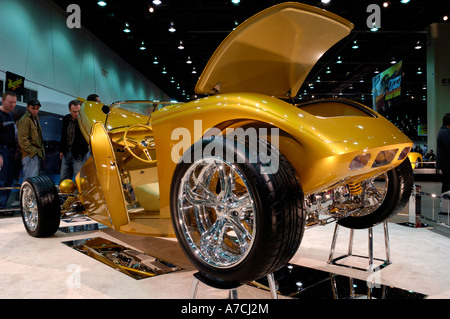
pixel 60 64
pixel 63 63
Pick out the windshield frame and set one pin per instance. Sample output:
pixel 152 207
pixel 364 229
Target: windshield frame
pixel 120 104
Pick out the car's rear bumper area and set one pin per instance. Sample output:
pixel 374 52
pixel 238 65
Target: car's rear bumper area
pixel 352 164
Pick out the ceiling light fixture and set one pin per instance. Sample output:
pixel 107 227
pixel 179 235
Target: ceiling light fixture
pixel 188 60
pixel 164 70
pixel 236 1
pixel 181 46
pixel 325 1
pixel 418 46
pixel 155 61
pixel 101 3
pixel 445 18
pixel 328 70
pixel 156 2
pixel 339 61
pixel 355 45
pixel 404 1
pixel 194 71
pixel 151 9
pixel 386 4
pixel 393 61
pixel 419 71
pixel 142 47
pixel 172 27
pixel 127 28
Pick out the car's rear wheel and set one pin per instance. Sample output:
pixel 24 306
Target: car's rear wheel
pixel 394 193
pixel 235 220
pixel 40 206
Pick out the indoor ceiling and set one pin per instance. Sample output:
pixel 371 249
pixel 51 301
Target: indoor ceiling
pixel 201 25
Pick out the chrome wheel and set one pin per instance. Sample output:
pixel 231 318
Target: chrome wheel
pixel 216 212
pixel 29 207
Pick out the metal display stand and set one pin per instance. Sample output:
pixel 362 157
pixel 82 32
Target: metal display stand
pixel 232 294
pixel 385 262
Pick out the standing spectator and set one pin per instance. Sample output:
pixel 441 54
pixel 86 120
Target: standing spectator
pixel 443 152
pixel 73 146
pixel 443 157
pixel 93 98
pixel 7 145
pixel 29 135
pixel 425 149
pixel 431 156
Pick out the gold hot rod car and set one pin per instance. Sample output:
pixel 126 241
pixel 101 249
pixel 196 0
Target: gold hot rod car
pixel 237 175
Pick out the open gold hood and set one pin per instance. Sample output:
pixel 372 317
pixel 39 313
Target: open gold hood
pixel 273 51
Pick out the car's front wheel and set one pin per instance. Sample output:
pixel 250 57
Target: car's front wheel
pixel 40 206
pixel 236 221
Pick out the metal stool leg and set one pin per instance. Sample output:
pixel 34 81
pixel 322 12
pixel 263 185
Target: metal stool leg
pixel 370 248
pixel 272 286
pixel 194 288
pixel 370 257
pixel 350 243
pixel 333 243
pixel 386 242
pixel 232 294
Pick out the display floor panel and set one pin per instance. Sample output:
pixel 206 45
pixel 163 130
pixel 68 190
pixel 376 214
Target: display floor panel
pixel 48 268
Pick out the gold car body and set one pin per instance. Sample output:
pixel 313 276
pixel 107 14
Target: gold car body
pixel 416 159
pixel 328 143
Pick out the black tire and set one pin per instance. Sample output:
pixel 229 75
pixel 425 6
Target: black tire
pixel 278 212
pixel 40 206
pixel 400 184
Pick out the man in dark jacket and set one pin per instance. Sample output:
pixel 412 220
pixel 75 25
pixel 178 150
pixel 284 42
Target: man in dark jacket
pixel 7 145
pixel 74 148
pixel 443 152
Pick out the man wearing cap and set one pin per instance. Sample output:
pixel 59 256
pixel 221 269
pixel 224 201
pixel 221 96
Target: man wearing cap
pixel 29 135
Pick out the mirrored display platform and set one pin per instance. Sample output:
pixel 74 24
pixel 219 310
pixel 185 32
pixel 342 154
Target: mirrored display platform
pixel 306 284
pixel 129 261
pixel 79 224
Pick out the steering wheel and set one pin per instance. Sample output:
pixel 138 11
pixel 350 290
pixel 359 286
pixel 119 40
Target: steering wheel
pixel 139 146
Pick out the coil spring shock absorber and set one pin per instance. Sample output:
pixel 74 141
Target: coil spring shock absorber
pixel 355 188
pixel 69 201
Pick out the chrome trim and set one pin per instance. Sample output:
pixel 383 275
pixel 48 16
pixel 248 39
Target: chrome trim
pixel 339 202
